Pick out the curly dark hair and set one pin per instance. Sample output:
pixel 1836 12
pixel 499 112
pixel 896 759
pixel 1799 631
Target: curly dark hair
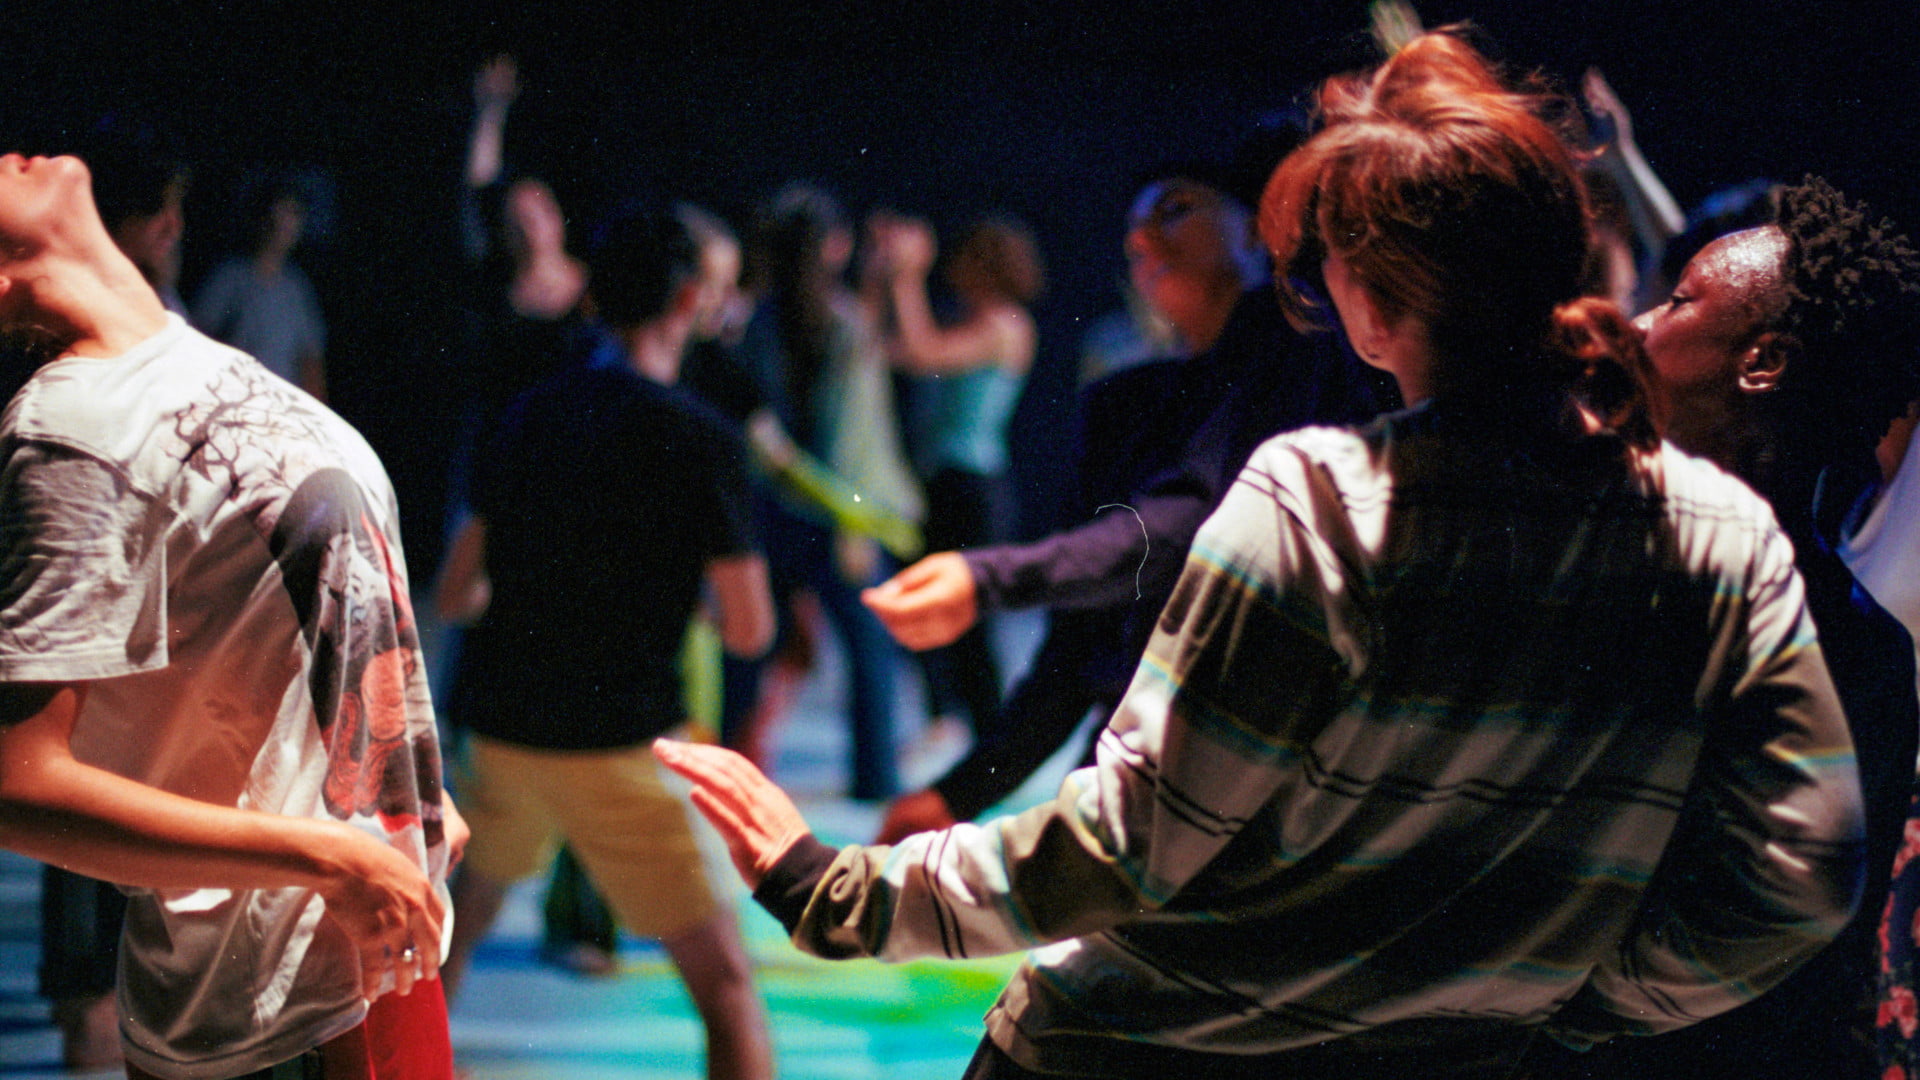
pixel 1852 316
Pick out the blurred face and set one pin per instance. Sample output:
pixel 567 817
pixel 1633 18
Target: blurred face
pixel 836 250
pixel 289 218
pixel 153 241
pixel 38 195
pixel 1397 347
pixel 1698 339
pixel 1186 248
pixel 968 271
pixel 719 286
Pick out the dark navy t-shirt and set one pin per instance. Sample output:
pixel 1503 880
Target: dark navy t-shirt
pixel 604 497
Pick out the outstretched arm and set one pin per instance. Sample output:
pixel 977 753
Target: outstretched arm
pixel 1127 552
pixel 807 479
pixel 928 604
pixel 1171 785
pixel 757 820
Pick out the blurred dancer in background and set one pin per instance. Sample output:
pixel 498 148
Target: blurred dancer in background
pixel 1160 448
pixel 968 375
pixel 607 506
pixel 815 350
pixel 260 302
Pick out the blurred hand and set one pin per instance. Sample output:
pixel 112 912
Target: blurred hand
pixel 770 440
pixel 915 812
pixel 497 82
pixel 757 820
pixel 910 246
pixel 388 909
pixel 1606 106
pixel 929 604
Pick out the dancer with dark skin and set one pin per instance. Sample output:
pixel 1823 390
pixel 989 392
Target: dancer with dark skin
pixel 1783 355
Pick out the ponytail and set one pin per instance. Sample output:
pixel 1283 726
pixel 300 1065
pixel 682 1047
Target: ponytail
pixel 1613 378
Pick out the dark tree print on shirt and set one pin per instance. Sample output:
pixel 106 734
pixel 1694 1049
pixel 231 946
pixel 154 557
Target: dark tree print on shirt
pixel 365 651
pixel 277 456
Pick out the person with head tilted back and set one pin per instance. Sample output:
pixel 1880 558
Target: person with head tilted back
pixel 211 683
pixel 1495 717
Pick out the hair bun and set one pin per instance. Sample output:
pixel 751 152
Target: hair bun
pixel 1615 380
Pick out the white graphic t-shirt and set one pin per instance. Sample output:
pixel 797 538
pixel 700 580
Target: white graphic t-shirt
pixel 216 556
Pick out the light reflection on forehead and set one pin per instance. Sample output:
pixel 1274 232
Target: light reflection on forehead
pixel 1748 261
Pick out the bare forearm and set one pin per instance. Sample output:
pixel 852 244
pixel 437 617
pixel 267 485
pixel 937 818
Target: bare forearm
pixel 463 591
pixel 96 823
pixel 915 333
pixel 60 810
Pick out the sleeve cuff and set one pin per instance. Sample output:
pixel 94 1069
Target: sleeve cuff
pixel 988 582
pixel 789 885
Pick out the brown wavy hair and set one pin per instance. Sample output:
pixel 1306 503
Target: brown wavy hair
pixel 1007 257
pixel 1454 198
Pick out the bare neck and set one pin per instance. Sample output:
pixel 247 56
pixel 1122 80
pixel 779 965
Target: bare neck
pixel 97 307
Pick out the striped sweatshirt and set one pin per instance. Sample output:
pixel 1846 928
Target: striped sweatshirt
pixel 1435 726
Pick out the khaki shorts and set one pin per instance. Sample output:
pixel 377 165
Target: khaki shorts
pixel 627 819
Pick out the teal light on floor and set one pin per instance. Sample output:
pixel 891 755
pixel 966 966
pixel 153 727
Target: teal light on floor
pixel 861 1020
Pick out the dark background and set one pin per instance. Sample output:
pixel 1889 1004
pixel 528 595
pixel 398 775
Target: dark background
pixel 1046 110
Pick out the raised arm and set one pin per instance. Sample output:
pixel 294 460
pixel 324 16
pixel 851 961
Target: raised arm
pixel 1656 217
pixel 994 334
pixel 495 86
